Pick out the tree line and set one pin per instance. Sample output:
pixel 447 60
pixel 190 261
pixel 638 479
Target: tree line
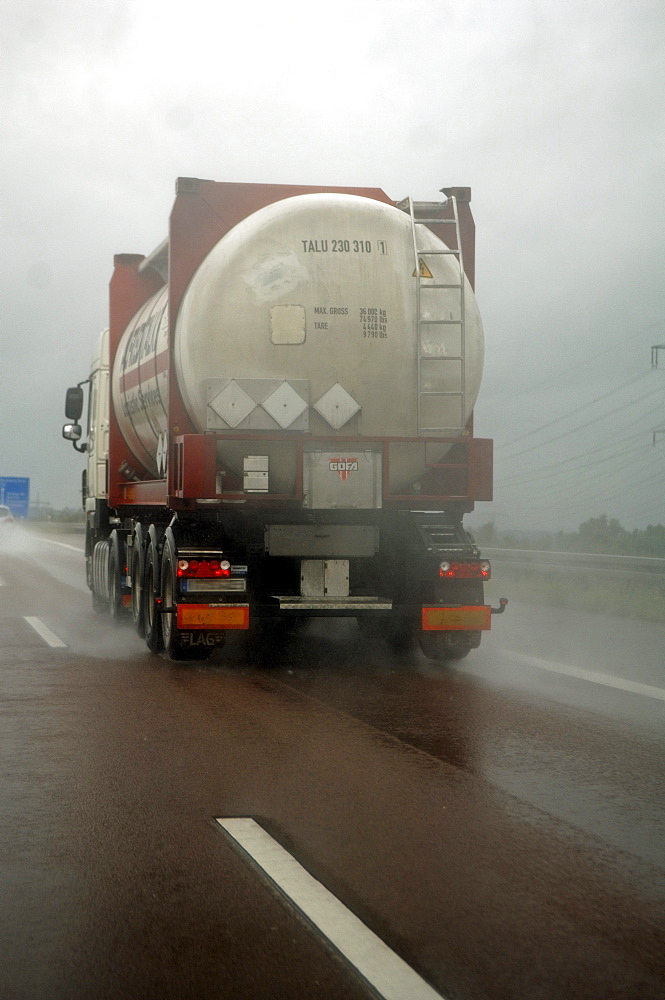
pixel 598 534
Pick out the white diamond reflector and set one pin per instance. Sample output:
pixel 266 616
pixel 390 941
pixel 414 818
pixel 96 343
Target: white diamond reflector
pixel 162 453
pixel 284 405
pixel 233 404
pixel 337 406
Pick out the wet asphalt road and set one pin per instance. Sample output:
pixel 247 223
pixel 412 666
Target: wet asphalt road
pixel 500 825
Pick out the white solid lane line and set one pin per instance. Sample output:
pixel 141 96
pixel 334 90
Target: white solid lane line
pixel 608 680
pixel 45 633
pixel 391 977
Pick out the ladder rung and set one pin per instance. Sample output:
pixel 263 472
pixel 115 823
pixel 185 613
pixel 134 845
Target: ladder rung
pixel 440 322
pixel 441 357
pixel 443 286
pixel 436 253
pixel 437 222
pixel 424 206
pixel 428 392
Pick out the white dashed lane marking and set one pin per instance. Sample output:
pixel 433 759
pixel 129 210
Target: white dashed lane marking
pixel 45 633
pixel 387 973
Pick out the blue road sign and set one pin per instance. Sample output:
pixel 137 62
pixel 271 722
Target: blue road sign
pixel 15 494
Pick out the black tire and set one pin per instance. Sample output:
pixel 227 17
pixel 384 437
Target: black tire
pixel 444 646
pixel 100 604
pixel 137 571
pixel 152 616
pixel 171 635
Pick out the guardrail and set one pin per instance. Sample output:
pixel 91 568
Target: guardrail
pixel 576 561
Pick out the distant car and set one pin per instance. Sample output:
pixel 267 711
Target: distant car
pixel 6 516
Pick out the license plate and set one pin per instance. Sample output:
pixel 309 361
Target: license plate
pixel 470 617
pixel 212 586
pixel 191 616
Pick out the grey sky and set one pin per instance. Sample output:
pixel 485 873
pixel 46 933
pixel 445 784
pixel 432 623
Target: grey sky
pixel 551 112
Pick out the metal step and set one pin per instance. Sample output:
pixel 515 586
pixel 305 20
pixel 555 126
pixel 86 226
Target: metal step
pixel 368 603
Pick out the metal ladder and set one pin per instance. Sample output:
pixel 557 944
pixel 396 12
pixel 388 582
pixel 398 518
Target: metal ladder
pixel 424 212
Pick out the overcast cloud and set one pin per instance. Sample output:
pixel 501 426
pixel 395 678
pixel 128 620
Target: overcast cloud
pixel 551 112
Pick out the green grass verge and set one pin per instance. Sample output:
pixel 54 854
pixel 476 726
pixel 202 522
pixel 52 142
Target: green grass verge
pixel 626 598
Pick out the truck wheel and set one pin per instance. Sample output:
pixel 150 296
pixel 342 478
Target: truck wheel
pixel 138 555
pixel 99 577
pixel 152 617
pixel 172 635
pixel 443 646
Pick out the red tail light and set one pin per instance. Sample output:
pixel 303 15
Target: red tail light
pixel 466 570
pixel 205 569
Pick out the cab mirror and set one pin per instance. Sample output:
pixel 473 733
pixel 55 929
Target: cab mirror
pixel 72 432
pixel 74 405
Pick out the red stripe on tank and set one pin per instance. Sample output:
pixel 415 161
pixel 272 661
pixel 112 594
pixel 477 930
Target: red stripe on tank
pixel 150 368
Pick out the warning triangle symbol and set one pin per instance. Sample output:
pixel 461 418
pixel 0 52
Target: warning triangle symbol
pixel 423 270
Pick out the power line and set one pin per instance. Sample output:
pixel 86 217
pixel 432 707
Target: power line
pixel 625 462
pixel 554 470
pixel 577 455
pixel 593 359
pixel 584 495
pixel 589 423
pixel 572 413
pixel 544 472
pixel 601 447
pixel 579 483
pixel 646 512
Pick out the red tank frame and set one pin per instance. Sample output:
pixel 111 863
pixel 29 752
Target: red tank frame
pixel 203 212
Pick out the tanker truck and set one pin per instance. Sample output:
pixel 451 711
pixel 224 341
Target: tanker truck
pixel 280 421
